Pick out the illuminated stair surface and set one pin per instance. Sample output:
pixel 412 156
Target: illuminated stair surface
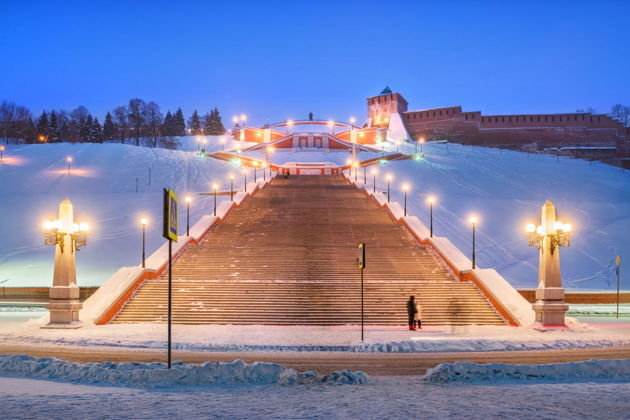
pixel 288 256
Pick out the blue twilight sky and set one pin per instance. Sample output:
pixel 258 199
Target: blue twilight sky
pixel 275 60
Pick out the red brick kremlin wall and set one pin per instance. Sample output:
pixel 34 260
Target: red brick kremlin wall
pixel 471 127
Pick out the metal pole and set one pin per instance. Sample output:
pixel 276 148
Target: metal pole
pixel 215 202
pixel 231 189
pixel 68 167
pixel 473 246
pixel 388 190
pixel 143 234
pixel 188 218
pixel 405 203
pixel 365 174
pixel 355 173
pixel 374 183
pixel 255 174
pixel 618 275
pixel 170 297
pixel 362 307
pixel 245 180
pixel 431 217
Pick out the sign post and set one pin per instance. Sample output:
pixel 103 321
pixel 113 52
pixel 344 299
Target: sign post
pixel 618 261
pixel 169 232
pixel 361 261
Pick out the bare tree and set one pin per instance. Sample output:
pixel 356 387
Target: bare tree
pixel 620 113
pixel 154 121
pixel 120 114
pixel 15 121
pixel 137 116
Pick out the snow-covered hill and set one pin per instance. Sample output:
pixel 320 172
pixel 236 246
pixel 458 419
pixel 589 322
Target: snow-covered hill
pixel 506 189
pixel 102 187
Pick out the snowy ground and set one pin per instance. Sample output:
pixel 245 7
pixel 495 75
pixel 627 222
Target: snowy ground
pixel 387 397
pixel 594 331
pixel 505 190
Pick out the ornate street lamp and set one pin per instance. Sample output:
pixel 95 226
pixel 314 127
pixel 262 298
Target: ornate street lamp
pixel 1 153
pixel 69 160
pixel 255 171
pixel 245 179
pixel 68 238
pixel 215 187
pixel 231 187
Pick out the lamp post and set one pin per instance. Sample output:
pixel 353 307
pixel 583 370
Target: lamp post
pixel 188 199
pixel 243 119
pixel 1 153
pixel 548 237
pixel 69 160
pixel 289 124
pixel 365 175
pixel 204 141
pixel 143 222
pixel 374 172
pixel 431 200
pixel 231 187
pixel 421 143
pixel 405 189
pixel 356 169
pixel 245 179
pixel 264 171
pixel 255 171
pixel 67 237
pixel 215 187
pixel 389 178
pixel 473 222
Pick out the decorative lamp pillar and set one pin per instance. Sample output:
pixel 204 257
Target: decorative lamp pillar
pixel 267 135
pixel 548 237
pixel 67 237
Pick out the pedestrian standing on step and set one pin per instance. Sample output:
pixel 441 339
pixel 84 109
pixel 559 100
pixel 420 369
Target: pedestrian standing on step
pixel 418 316
pixel 411 312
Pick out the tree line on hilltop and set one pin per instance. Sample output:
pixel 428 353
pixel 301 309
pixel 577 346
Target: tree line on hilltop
pixel 137 121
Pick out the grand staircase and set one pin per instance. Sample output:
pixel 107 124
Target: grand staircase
pixel 289 256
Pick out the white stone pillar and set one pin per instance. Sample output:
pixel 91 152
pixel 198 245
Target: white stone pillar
pixel 549 306
pixel 64 302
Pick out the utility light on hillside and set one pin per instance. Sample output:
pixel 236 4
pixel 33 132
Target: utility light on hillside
pixel 1 153
pixel 430 202
pixel 188 200
pixel 473 221
pixel 42 139
pixel 144 221
pixel 231 187
pixel 421 141
pixel 374 172
pixel 69 160
pixel 215 187
pixel 405 189
pixel 389 178
pixel 204 142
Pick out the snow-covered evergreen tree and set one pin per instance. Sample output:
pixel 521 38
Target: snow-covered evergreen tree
pixel 179 124
pixel 109 128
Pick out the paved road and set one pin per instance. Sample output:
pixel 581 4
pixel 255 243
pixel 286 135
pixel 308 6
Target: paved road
pixel 377 364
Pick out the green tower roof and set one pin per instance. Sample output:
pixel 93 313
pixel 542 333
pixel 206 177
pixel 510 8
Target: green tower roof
pixel 386 91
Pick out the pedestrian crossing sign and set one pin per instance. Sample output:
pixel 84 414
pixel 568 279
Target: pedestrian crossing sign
pixel 362 255
pixel 170 215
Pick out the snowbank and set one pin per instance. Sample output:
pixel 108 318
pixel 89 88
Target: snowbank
pixel 156 374
pixel 476 372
